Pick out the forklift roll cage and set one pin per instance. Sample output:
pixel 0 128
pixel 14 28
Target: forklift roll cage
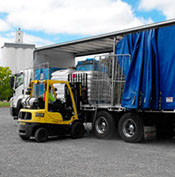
pixel 51 82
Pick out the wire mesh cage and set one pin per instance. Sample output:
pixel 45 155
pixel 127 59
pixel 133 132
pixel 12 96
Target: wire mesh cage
pixel 38 72
pixel 112 72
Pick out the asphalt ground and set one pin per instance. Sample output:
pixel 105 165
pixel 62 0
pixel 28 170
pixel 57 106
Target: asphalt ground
pixel 86 157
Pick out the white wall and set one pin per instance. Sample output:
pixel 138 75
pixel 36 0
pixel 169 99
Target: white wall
pixel 55 58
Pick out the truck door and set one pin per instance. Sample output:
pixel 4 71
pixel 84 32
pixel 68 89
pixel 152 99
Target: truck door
pixel 18 87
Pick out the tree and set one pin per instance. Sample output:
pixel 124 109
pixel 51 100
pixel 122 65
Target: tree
pixel 5 89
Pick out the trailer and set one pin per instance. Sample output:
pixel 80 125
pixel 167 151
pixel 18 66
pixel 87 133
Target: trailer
pixel 131 91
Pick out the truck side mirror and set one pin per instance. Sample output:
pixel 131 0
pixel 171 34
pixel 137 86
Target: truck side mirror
pixel 12 79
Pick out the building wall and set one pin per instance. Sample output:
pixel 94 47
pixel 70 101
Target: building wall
pixel 55 58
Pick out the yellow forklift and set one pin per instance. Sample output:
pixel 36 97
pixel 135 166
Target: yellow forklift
pixel 42 116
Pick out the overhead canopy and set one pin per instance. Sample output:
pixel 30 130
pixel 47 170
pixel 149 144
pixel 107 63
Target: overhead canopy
pixel 100 43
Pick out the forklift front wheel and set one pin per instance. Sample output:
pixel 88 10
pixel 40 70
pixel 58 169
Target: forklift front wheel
pixel 41 135
pixel 77 130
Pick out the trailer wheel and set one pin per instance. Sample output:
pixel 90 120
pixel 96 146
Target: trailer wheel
pixel 104 125
pixel 41 135
pixel 24 137
pixel 130 128
pixel 77 130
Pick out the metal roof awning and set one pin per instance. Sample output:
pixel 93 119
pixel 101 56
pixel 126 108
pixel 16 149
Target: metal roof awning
pixel 88 47
pixel 101 43
pixel 83 47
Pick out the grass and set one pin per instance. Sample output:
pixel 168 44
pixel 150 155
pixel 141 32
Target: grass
pixel 4 104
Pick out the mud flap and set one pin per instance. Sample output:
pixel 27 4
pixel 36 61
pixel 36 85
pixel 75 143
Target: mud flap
pixel 149 132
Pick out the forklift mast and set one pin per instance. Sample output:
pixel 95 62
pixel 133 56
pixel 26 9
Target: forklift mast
pixel 78 83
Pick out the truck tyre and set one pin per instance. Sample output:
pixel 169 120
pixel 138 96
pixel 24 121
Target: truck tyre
pixel 104 125
pixel 41 135
pixel 77 130
pixel 24 137
pixel 130 128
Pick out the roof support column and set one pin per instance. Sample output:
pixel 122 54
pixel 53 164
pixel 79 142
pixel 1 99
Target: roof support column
pixel 113 70
pixel 114 45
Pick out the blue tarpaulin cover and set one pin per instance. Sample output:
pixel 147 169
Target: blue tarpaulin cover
pixel 151 74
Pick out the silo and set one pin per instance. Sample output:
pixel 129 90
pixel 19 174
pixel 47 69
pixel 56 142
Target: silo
pixel 18 56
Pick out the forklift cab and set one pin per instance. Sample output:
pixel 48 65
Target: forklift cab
pixel 57 105
pixel 53 101
pixel 50 114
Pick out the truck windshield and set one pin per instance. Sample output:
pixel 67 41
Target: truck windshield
pixel 19 80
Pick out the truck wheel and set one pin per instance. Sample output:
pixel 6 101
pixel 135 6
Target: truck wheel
pixel 41 135
pixel 77 130
pixel 24 137
pixel 104 125
pixel 130 128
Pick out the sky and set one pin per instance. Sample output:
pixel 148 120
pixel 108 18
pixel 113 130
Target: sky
pixel 47 22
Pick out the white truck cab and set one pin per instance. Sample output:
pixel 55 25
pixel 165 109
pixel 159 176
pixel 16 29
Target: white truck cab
pixel 19 83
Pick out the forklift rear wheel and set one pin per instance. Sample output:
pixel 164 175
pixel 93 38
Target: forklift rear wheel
pixel 77 130
pixel 130 128
pixel 24 137
pixel 104 125
pixel 41 135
